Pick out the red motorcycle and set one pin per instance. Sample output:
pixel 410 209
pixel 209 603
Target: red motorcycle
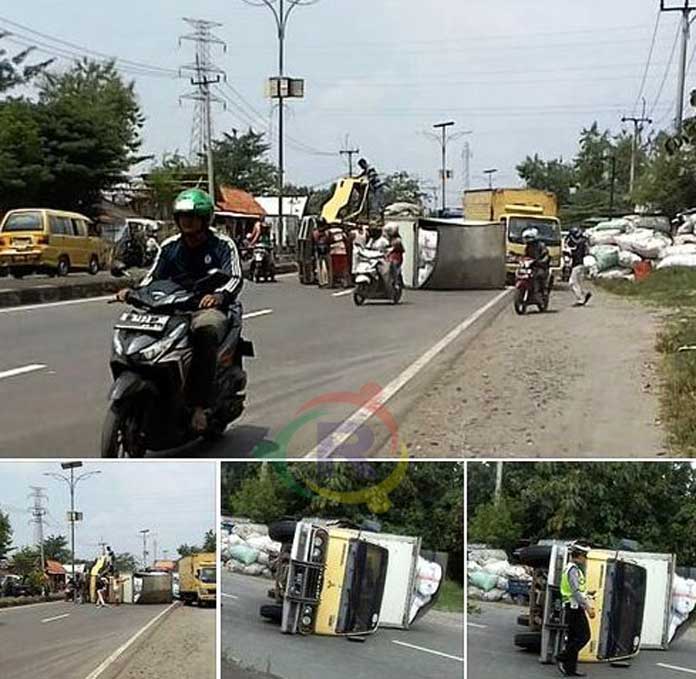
pixel 525 294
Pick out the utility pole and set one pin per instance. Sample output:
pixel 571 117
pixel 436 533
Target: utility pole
pixel 443 128
pixel 38 512
pixel 73 516
pixel 467 165
pixel 613 185
pixel 205 73
pixel 498 481
pixel 350 153
pixel 637 129
pixel 490 174
pixel 144 533
pixel 685 10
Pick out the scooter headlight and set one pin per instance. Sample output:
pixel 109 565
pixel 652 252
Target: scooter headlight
pixel 160 346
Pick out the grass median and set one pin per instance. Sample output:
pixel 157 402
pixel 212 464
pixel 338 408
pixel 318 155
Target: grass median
pixel 451 599
pixel 673 291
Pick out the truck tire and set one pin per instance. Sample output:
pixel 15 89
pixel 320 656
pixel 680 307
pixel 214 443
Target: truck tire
pixel 536 556
pixel 272 612
pixel 523 620
pixel 529 641
pixel 282 531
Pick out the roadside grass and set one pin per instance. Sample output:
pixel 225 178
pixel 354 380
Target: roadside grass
pixel 674 291
pixel 14 602
pixel 451 598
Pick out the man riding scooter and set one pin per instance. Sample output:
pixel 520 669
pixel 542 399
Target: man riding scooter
pixel 536 250
pixel 261 238
pixel 186 259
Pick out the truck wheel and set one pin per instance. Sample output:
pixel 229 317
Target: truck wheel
pixel 93 265
pixel 63 266
pixel 282 531
pixel 529 641
pixel 523 620
pixel 536 556
pixel 272 612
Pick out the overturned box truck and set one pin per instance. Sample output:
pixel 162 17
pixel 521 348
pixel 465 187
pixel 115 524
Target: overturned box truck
pixel 334 578
pixel 638 599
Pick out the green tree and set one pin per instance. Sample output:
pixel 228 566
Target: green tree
pixel 166 180
pixel 56 548
pixel 401 187
pixel 5 535
pixel 261 497
pixel 555 175
pixel 210 542
pixel 14 71
pixel 125 563
pixel 241 162
pixel 188 550
pixel 495 524
pixel 26 561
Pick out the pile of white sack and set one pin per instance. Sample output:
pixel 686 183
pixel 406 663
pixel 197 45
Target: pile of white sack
pixel 618 245
pixel 683 603
pixel 489 573
pixel 248 549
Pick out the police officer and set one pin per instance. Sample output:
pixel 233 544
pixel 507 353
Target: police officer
pixel 577 606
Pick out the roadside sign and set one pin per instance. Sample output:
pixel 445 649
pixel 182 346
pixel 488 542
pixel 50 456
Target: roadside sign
pixel 75 517
pixel 285 88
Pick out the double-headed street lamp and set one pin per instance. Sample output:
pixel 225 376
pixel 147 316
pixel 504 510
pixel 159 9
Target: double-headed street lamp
pixel 73 516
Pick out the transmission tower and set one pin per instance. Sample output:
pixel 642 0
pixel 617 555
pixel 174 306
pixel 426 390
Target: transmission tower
pixel 38 513
pixel 204 73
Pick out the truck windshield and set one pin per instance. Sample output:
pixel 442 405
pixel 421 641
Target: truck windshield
pixel 23 221
pixel 208 575
pixel 362 594
pixel 623 618
pixel 549 229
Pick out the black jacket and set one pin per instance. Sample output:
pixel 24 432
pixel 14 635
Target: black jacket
pixel 183 265
pixel 579 249
pixel 539 253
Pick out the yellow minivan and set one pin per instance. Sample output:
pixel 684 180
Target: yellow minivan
pixel 49 241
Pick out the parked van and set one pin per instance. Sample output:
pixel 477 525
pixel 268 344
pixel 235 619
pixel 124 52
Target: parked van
pixel 49 241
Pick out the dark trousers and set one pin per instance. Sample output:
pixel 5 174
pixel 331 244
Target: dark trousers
pixel 577 636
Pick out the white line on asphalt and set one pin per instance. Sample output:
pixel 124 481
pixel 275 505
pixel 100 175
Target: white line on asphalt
pixel 58 617
pixel 428 650
pixel 286 275
pixel 50 305
pixel 345 431
pixel 473 624
pixel 343 293
pixel 676 669
pixel 256 314
pixel 120 651
pixel 230 596
pixel 22 371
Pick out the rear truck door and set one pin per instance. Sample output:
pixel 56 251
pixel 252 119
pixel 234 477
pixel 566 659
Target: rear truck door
pixel 553 625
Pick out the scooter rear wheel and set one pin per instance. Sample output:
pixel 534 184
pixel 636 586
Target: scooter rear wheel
pixel 358 299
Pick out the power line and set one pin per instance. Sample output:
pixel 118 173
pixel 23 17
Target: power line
pixel 647 63
pixel 666 74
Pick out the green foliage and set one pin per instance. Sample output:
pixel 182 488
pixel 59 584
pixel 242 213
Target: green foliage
pixel 165 182
pixel 495 524
pixel 5 535
pixel 603 502
pixel 56 548
pixel 210 542
pixel 552 175
pixel 125 563
pixel 188 550
pixel 260 497
pixel 14 72
pixel 26 561
pixel 401 187
pixel 240 162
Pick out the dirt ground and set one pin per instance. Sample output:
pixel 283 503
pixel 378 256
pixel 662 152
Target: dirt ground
pixel 182 646
pixel 574 382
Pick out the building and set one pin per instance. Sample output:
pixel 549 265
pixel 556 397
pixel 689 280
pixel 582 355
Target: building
pixel 163 566
pixel 237 212
pixel 57 577
pixel 293 211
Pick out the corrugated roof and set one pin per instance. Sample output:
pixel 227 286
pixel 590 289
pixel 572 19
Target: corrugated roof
pixel 241 202
pixel 54 568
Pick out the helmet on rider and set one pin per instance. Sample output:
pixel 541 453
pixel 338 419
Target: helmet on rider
pixel 193 214
pixel 575 233
pixel 530 235
pixel 375 231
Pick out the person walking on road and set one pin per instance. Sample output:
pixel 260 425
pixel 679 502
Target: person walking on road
pixel 577 607
pixel 102 585
pixel 579 249
pixel 322 253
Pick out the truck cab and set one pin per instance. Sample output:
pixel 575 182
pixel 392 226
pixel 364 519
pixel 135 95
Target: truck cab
pixel 198 579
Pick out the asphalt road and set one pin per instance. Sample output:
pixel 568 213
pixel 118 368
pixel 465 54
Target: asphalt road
pixel 434 647
pixel 309 343
pixel 492 654
pixel 63 640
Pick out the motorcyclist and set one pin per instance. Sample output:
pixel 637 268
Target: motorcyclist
pixel 395 254
pixel 185 259
pixel 377 240
pixel 536 250
pixel 261 236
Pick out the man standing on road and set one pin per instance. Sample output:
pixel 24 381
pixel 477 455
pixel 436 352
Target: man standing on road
pixel 102 585
pixel 579 249
pixel 577 606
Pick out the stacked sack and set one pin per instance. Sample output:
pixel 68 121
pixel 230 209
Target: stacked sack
pixel 428 579
pixel 683 603
pixel 488 575
pixel 248 549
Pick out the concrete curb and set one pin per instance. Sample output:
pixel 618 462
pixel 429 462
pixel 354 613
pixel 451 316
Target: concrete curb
pixel 45 294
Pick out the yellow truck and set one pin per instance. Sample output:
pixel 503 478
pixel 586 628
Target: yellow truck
pixel 198 579
pixel 519 210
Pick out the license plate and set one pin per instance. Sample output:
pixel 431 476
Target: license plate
pixel 132 320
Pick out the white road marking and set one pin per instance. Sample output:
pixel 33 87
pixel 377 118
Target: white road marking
pixel 428 650
pixel 58 617
pixel 120 651
pixel 343 293
pixel 345 431
pixel 286 275
pixel 50 305
pixel 676 669
pixel 473 624
pixel 22 371
pixel 230 596
pixel 257 314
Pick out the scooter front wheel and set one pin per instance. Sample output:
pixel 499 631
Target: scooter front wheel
pixel 116 439
pixel 358 299
pixel 520 302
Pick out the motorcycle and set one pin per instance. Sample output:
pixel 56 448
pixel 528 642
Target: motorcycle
pixel 525 295
pixel 369 283
pixel 150 363
pixel 261 265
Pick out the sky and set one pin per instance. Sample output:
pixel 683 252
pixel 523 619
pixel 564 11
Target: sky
pixel 524 76
pixel 176 501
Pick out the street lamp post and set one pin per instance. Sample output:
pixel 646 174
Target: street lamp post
pixel 72 482
pixel 490 174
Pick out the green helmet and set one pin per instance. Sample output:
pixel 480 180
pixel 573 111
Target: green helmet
pixel 196 202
